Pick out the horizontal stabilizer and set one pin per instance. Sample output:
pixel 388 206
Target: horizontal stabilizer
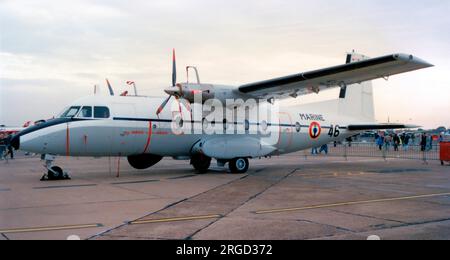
pixel 367 127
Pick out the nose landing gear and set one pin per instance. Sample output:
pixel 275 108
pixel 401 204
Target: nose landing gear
pixel 53 172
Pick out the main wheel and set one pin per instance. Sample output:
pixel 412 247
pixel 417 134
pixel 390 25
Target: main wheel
pixel 239 165
pixel 56 173
pixel 201 163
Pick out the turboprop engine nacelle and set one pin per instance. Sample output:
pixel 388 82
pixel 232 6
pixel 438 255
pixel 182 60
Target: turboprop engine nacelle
pixel 189 91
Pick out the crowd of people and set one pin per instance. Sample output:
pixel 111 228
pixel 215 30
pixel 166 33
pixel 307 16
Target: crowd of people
pixel 404 141
pixel 387 141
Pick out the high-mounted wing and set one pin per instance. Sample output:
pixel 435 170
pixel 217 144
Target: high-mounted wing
pixel 337 76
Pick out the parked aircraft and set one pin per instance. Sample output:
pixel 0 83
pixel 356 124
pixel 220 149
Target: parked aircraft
pixel 146 129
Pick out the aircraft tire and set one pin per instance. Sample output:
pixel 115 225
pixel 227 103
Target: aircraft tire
pixel 201 163
pixel 56 174
pixel 239 165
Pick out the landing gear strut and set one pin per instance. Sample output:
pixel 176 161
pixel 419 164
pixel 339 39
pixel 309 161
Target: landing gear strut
pixel 53 172
pixel 239 165
pixel 201 163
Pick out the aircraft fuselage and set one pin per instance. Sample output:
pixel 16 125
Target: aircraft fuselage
pixel 133 128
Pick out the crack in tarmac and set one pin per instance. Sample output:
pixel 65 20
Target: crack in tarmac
pixel 245 202
pixel 105 233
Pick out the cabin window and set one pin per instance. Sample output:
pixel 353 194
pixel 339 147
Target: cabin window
pixel 247 125
pixel 86 112
pixel 101 112
pixel 225 124
pixel 264 125
pixel 298 127
pixel 71 112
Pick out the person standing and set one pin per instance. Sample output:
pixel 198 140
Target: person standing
pixel 324 148
pixel 396 142
pixel 406 143
pixel 10 148
pixel 380 142
pixel 2 146
pixel 430 143
pixel 423 142
pixel 349 141
pixel 387 142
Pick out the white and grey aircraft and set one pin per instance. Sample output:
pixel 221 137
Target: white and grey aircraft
pixel 141 129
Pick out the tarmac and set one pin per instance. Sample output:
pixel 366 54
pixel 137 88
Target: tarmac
pixel 287 197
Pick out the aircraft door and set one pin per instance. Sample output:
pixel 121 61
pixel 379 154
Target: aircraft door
pixel 125 130
pixel 285 132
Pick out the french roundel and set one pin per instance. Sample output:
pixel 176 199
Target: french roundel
pixel 314 130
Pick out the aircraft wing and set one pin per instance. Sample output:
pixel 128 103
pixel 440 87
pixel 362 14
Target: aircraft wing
pixel 342 75
pixel 364 127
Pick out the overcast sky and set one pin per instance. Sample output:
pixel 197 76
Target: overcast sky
pixel 53 52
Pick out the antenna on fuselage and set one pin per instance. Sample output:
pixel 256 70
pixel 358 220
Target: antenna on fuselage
pixel 132 83
pixel 111 91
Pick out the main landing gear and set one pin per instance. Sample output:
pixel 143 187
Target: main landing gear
pixel 238 165
pixel 53 172
pixel 201 163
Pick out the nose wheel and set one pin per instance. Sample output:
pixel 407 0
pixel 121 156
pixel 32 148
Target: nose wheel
pixel 54 173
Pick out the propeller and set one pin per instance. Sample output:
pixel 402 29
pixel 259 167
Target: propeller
pixel 171 91
pixel 174 68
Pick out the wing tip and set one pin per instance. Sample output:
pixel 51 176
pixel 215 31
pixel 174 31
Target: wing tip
pixel 412 59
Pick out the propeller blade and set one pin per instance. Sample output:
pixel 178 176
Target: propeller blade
pixel 174 68
pixel 179 105
pixel 111 91
pixel 161 107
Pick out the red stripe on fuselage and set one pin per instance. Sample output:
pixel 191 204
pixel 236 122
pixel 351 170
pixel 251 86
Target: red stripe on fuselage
pixel 67 141
pixel 149 138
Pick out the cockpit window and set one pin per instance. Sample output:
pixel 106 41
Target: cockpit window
pixel 86 112
pixel 101 112
pixel 70 112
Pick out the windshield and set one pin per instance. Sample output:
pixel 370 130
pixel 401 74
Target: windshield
pixel 70 112
pixel 86 112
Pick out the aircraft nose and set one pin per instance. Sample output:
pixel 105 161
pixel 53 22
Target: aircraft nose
pixel 15 142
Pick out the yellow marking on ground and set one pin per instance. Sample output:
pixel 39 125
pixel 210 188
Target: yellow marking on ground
pixel 330 175
pixel 52 228
pixel 165 220
pixel 351 203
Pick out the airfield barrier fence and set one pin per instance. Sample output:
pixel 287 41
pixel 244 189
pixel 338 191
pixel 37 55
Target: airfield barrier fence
pixel 372 150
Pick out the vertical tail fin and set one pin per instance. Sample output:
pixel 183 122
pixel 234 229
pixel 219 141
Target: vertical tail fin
pixel 356 100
